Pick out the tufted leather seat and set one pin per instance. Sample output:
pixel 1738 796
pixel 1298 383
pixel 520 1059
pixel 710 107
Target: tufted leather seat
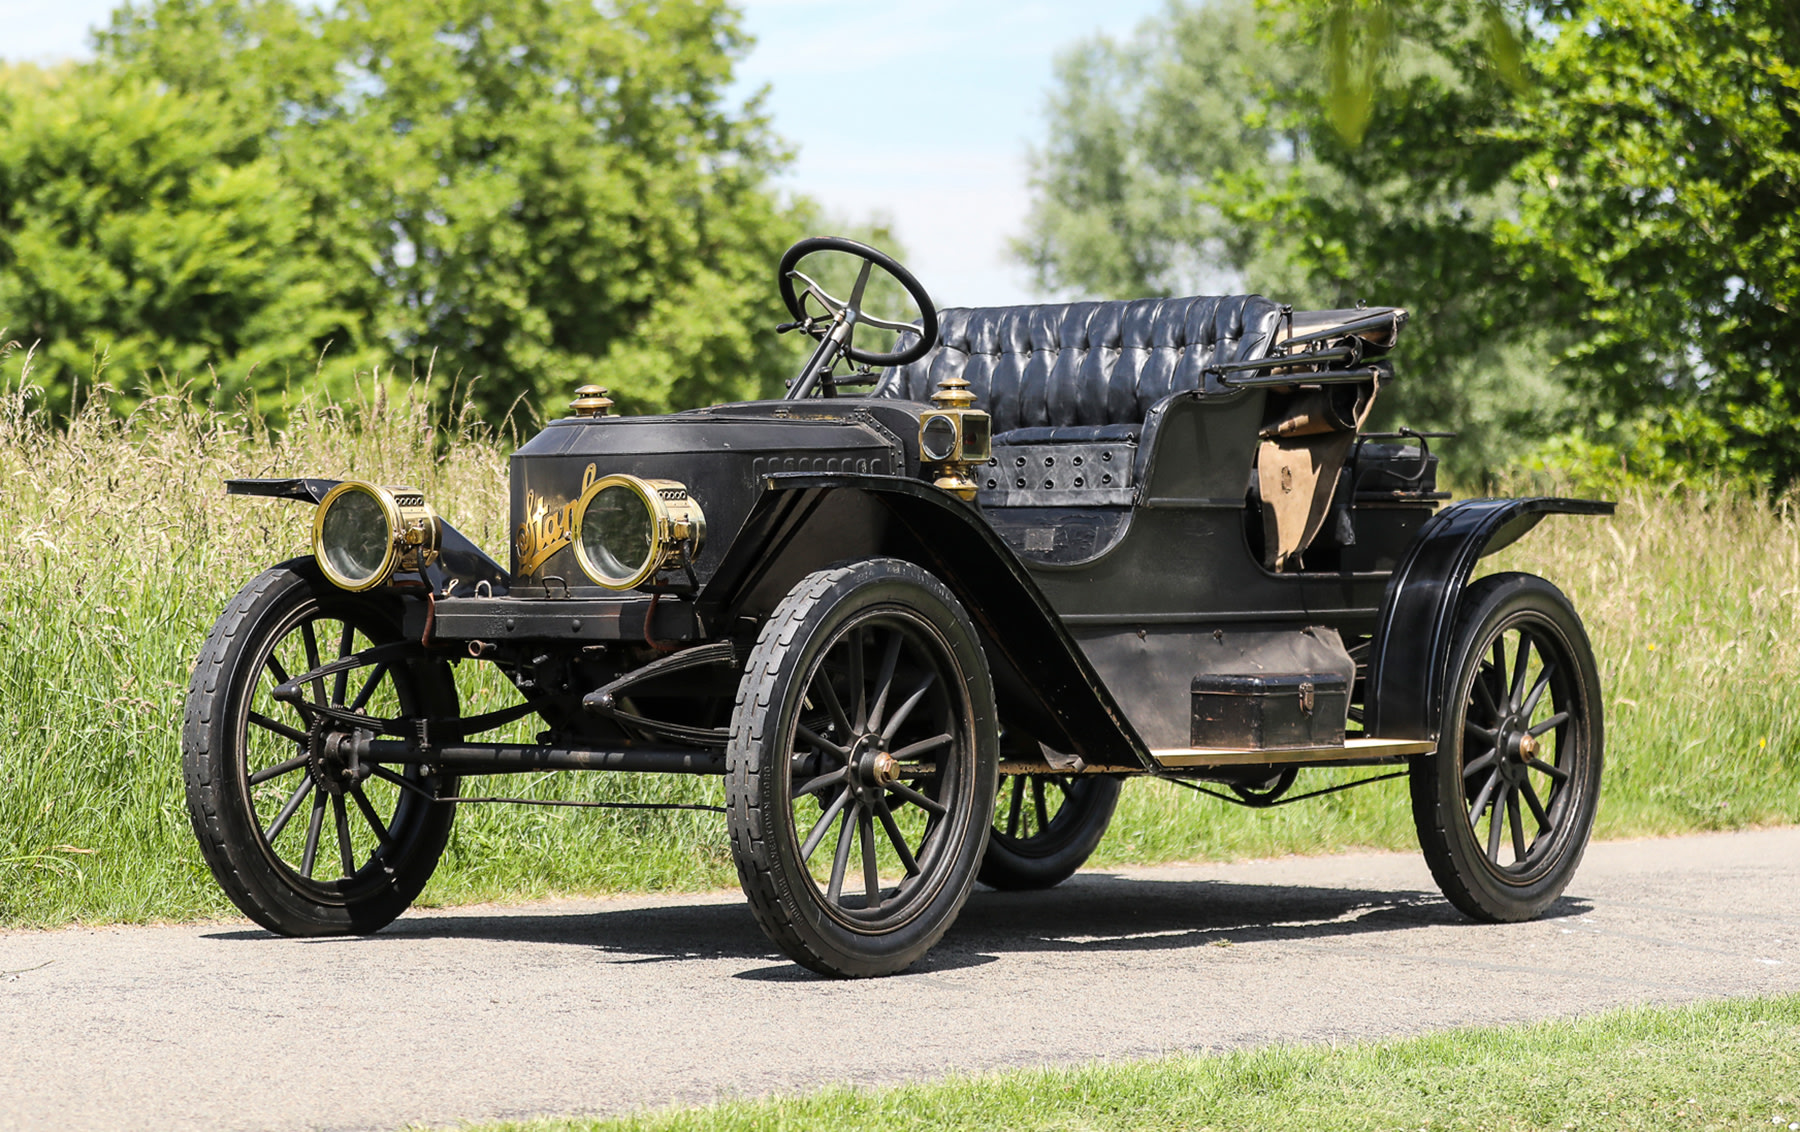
pixel 1081 372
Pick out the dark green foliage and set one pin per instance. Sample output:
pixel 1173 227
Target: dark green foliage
pixel 1593 224
pixel 140 234
pixel 534 195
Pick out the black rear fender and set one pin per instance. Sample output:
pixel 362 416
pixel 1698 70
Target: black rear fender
pixel 1411 648
pixel 803 523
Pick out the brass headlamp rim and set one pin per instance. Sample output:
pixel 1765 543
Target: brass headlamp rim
pixel 390 510
pixel 664 547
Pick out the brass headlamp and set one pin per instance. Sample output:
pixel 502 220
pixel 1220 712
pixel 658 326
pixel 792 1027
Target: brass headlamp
pixel 363 533
pixel 628 530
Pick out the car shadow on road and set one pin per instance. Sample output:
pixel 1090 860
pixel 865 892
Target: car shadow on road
pixel 1093 913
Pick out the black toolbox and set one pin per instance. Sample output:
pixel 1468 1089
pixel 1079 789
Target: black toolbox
pixel 1269 711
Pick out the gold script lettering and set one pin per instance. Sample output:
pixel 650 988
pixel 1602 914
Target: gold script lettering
pixel 543 531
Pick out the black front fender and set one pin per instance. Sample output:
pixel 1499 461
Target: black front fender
pixel 807 522
pixel 459 560
pixel 1412 642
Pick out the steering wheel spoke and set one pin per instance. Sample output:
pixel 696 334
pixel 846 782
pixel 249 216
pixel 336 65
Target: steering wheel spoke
pixel 837 332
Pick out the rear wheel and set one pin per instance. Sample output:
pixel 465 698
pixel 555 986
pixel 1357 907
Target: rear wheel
pixel 1505 805
pixel 303 838
pixel 1045 827
pixel 861 768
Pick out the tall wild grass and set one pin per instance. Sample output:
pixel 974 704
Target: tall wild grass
pixel 118 547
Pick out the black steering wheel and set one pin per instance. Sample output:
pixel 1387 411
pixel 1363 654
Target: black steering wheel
pixel 841 317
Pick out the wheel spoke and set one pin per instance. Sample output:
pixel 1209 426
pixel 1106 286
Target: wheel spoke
pixel 1521 660
pixel 822 781
pixel 865 826
pixel 823 825
pixel 342 821
pixel 858 691
pixel 1556 720
pixel 369 685
pixel 1017 807
pixel 884 680
pixel 286 766
pixel 1487 695
pixel 834 705
pixel 1496 824
pixel 1483 797
pixel 1037 799
pixel 370 816
pixel 341 682
pixel 1485 734
pixel 312 659
pixel 905 709
pixel 387 775
pixel 1537 808
pixel 1537 690
pixel 1478 765
pixel 894 835
pixel 1498 672
pixel 311 854
pixel 923 801
pixel 815 740
pixel 288 810
pixel 846 831
pixel 1555 772
pixel 924 746
pixel 276 667
pixel 291 733
pixel 1517 822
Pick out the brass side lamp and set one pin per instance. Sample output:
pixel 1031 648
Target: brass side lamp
pixel 955 437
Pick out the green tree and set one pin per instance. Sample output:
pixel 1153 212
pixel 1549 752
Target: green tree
pixel 1593 224
pixel 1200 155
pixel 528 196
pixel 138 237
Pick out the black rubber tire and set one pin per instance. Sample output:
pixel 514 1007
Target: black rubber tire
pixel 1052 854
pixel 1442 782
pixel 215 751
pixel 765 838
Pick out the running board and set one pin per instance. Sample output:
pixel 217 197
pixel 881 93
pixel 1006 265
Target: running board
pixel 1354 749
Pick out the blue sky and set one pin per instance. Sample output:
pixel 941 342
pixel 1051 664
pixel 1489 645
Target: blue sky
pixel 919 111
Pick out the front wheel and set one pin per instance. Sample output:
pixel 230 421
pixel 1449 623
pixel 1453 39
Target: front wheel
pixel 304 839
pixel 1505 805
pixel 861 768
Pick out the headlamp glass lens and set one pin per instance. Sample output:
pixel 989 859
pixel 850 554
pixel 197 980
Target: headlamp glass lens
pixel 354 536
pixel 938 438
pixel 617 532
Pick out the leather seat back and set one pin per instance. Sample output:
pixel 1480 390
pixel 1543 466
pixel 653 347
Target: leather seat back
pixel 1088 364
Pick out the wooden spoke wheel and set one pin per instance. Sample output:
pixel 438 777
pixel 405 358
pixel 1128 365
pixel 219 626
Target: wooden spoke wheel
pixel 1045 827
pixel 1505 805
pixel 862 756
pixel 304 837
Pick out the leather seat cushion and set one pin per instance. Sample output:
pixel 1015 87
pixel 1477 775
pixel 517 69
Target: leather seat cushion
pixel 1088 364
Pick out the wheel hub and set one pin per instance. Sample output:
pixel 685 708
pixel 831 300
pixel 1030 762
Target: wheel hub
pixel 334 763
pixel 1518 746
pixel 872 769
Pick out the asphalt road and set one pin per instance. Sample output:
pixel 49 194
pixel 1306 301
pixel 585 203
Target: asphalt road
pixel 606 1005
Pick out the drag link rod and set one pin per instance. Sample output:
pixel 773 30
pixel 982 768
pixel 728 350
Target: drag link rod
pixel 505 758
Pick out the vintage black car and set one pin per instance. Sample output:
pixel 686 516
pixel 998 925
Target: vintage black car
pixel 924 614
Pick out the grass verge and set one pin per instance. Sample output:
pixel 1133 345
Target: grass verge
pixel 1711 1066
pixel 118 547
